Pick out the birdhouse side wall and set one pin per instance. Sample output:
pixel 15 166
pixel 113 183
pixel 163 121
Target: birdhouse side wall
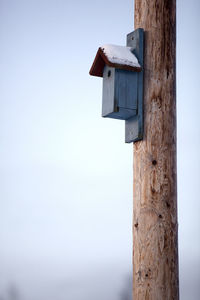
pixel 126 84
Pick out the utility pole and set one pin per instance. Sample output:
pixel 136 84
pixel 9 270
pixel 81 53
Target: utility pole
pixel 155 242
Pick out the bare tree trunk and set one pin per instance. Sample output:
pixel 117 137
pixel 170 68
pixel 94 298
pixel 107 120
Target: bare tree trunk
pixel 155 245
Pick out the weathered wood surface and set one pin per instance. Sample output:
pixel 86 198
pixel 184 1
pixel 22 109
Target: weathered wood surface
pixel 155 249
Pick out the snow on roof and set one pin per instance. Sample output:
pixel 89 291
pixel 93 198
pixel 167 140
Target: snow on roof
pixel 120 57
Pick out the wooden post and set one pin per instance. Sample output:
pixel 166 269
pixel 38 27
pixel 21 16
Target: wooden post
pixel 155 245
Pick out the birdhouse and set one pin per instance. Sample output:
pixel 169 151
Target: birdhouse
pixel 118 66
pixel 122 73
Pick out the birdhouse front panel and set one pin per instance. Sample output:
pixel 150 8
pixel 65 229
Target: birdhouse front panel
pixel 108 98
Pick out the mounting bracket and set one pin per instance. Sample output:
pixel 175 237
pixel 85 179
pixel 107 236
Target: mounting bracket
pixel 134 125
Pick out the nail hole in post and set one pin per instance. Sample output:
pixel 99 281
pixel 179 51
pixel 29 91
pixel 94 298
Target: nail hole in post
pixel 154 162
pixel 109 73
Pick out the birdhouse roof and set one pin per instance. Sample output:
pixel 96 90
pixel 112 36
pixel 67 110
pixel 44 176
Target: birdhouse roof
pixel 120 57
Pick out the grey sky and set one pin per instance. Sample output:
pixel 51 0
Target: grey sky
pixel 66 174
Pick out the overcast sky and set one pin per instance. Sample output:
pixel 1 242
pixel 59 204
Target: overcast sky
pixel 66 173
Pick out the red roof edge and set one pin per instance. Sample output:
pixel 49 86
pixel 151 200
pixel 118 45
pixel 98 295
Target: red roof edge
pixel 98 64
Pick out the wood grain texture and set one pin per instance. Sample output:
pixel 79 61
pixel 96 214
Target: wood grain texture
pixel 155 244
